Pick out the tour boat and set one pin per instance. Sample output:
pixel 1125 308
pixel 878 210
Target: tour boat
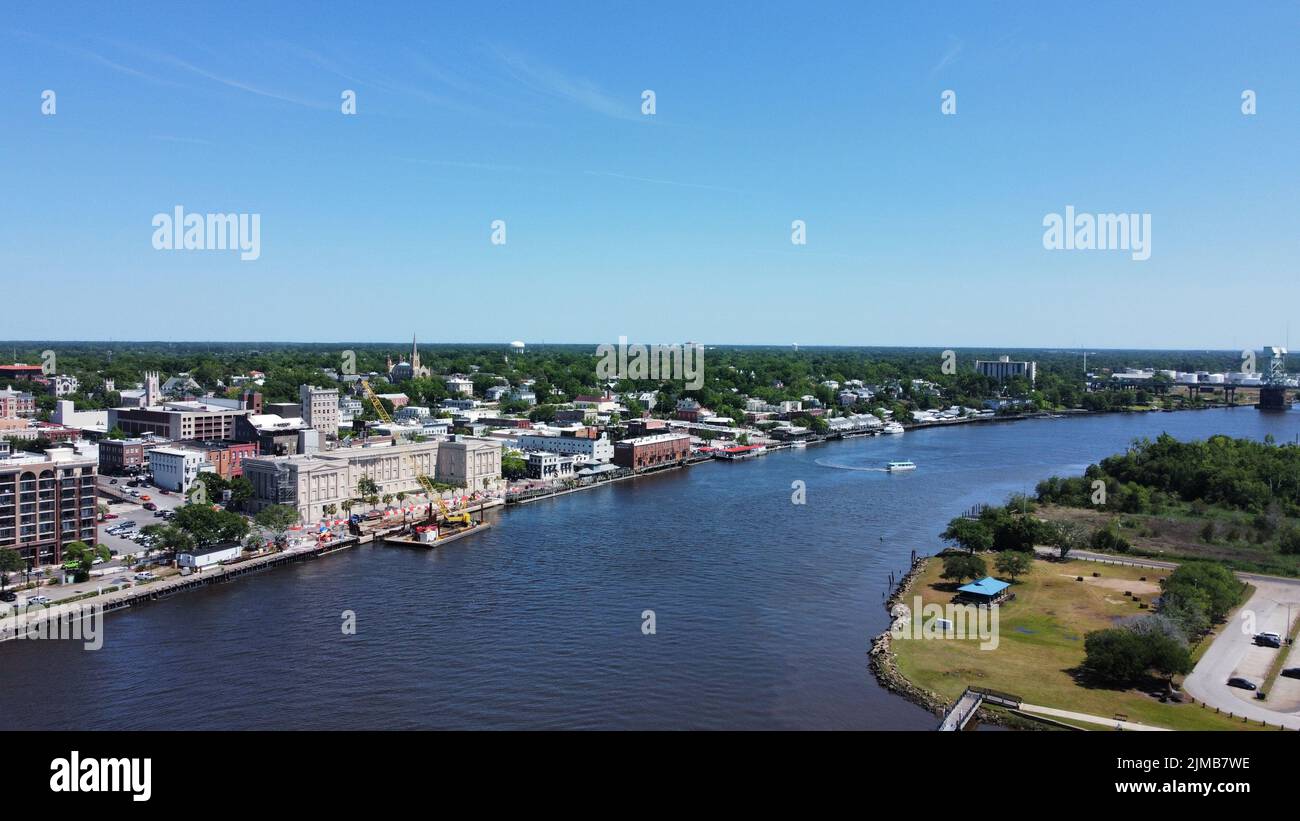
pixel 894 467
pixel 892 427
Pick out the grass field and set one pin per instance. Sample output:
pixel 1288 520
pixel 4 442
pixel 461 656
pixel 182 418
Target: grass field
pixel 1041 643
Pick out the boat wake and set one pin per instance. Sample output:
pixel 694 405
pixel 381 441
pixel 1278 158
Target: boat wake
pixel 826 464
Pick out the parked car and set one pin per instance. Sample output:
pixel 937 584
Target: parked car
pixel 98 560
pixel 1291 672
pixel 160 513
pixel 110 516
pixel 133 493
pixel 112 481
pixel 41 600
pixel 1243 683
pixel 1269 634
pixel 164 491
pixel 1268 641
pixel 8 595
pixel 149 506
pixel 144 576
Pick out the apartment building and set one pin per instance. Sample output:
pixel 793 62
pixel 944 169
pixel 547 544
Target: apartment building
pixel 46 502
pixel 1003 368
pixel 16 404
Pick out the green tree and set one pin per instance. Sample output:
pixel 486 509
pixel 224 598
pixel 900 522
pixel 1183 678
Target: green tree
pixel 208 526
pixel 11 561
pixel 958 567
pixel 1221 589
pixel 1065 536
pixel 1013 563
pixel 277 520
pixel 1115 655
pixel 972 535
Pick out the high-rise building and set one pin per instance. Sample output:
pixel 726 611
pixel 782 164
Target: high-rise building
pixel 320 409
pixel 46 502
pixel 1004 368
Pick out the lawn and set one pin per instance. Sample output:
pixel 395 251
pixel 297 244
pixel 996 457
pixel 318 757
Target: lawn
pixel 1040 643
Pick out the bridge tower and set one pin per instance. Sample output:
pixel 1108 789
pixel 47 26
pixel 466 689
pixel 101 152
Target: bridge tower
pixel 1272 396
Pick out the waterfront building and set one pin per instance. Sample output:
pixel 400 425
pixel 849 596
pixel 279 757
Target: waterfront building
pixel 652 451
pixel 474 464
pixel 309 482
pixel 46 502
pixel 545 465
pixel 586 449
pixel 201 557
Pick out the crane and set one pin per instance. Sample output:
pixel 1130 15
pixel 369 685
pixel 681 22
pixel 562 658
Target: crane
pixel 420 476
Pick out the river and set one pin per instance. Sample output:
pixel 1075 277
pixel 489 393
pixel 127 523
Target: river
pixel 763 609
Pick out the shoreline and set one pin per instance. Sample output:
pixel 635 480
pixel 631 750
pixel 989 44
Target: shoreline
pixel 882 662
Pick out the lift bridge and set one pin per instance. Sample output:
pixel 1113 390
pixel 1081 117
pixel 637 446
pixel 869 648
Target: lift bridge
pixel 1272 395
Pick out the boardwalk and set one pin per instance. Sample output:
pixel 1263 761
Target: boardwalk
pixel 968 704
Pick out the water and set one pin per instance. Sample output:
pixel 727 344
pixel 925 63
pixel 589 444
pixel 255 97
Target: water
pixel 764 609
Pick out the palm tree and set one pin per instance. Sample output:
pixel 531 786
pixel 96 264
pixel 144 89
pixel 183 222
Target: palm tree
pixel 388 499
pixel 346 504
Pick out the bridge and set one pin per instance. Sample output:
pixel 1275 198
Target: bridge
pixel 969 703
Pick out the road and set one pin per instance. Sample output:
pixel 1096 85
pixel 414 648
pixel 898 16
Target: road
pixel 1234 652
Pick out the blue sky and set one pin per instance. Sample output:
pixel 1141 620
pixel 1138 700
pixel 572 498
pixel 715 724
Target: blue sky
pixel 923 229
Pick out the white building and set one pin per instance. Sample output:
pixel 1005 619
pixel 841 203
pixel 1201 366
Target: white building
pixel 177 468
pixel 207 556
pixel 587 450
pixel 349 409
pixel 411 413
pixel 460 385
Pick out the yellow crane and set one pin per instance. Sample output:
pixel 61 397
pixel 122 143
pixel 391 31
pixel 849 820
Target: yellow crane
pixel 424 480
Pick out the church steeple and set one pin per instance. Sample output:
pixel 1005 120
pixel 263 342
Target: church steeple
pixel 415 356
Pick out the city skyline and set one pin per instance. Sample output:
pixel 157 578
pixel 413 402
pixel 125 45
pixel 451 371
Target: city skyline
pixel 922 228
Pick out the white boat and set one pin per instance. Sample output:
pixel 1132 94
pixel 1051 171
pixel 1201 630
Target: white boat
pixel 895 467
pixel 799 443
pixel 892 427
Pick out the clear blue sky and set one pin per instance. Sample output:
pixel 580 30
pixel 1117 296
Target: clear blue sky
pixel 922 229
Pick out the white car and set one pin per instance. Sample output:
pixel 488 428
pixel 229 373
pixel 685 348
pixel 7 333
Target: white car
pixel 144 576
pixel 41 600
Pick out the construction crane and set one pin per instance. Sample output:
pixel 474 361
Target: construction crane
pixel 460 514
pixel 424 480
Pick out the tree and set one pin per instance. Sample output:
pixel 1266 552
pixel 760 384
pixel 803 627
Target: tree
pixel 1014 563
pixel 277 520
pixel 1115 655
pixel 1221 589
pixel 367 489
pixel 513 466
pixel 208 526
pixel 972 535
pixel 1189 609
pixel 241 490
pixel 958 567
pixel 11 561
pixel 170 537
pixel 1065 536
